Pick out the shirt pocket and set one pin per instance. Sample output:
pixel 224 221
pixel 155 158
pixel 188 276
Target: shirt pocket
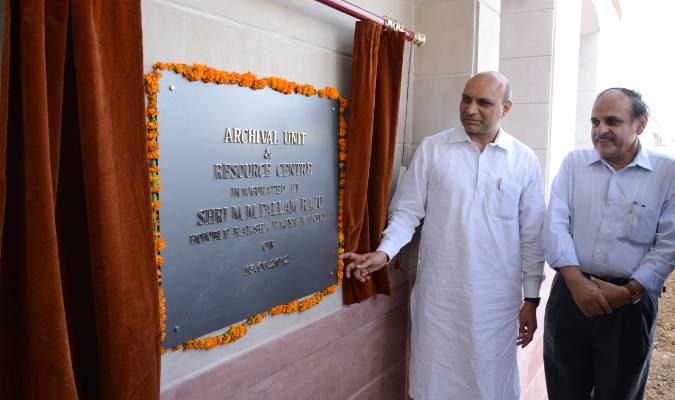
pixel 504 200
pixel 641 224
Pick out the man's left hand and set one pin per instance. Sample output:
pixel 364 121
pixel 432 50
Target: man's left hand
pixel 528 324
pixel 616 295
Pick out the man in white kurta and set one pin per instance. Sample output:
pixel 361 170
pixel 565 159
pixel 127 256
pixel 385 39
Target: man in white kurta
pixel 481 197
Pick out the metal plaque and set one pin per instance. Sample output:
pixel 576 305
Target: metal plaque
pixel 248 204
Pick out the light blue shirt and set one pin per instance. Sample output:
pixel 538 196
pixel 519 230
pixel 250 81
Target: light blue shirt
pixel 618 224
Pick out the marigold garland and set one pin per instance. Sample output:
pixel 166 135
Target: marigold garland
pixel 200 72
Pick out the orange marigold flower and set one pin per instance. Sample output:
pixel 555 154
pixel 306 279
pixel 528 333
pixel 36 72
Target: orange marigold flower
pixel 276 310
pixel 259 84
pixel 247 79
pixel 198 71
pixel 291 307
pixel 255 319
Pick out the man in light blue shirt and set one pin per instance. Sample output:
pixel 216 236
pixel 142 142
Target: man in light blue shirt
pixel 610 234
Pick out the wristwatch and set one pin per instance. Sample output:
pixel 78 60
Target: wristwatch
pixel 635 290
pixel 534 300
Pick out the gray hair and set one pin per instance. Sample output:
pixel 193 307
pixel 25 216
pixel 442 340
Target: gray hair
pixel 639 107
pixel 507 92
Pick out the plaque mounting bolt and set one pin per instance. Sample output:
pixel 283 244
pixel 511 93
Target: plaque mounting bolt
pixel 331 273
pixel 176 328
pixel 333 108
pixel 173 87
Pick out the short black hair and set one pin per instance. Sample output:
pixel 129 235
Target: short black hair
pixel 640 108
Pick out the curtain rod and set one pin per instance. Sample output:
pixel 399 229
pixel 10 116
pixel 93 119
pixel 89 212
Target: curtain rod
pixel 364 15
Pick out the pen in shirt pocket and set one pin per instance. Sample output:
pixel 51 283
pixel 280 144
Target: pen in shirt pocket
pixel 499 184
pixel 634 204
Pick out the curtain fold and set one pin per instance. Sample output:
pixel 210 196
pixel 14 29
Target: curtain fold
pixel 373 120
pixel 78 285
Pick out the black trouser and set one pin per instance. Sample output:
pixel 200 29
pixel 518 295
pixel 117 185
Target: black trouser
pixel 602 358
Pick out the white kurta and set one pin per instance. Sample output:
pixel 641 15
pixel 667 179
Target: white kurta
pixel 481 243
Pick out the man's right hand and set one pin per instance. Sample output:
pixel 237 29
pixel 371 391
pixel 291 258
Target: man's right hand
pixel 362 265
pixel 587 295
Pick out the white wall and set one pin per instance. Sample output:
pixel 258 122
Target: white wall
pixel 564 90
pixel 488 32
pixel 526 58
pixel 586 86
pixel 300 40
pixel 588 72
pixel 443 65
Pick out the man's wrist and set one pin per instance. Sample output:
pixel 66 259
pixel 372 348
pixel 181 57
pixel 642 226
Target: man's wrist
pixel 532 300
pixel 635 290
pixel 386 256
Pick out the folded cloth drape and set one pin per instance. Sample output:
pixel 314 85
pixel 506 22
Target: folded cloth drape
pixel 373 121
pixel 79 314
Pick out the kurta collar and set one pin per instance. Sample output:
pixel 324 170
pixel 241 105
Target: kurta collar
pixel 459 135
pixel 641 159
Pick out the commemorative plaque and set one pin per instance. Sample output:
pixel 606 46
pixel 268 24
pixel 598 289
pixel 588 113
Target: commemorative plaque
pixel 248 204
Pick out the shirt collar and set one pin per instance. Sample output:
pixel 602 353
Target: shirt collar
pixel 459 135
pixel 641 159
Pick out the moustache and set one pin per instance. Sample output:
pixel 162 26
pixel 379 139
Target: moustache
pixel 604 136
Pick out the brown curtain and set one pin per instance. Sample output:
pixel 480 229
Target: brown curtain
pixel 373 119
pixel 79 316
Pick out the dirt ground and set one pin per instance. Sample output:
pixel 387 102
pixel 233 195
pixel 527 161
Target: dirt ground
pixel 661 383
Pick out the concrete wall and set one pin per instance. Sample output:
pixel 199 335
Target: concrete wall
pixel 587 90
pixel 588 72
pixel 442 66
pixel 330 351
pixel 526 58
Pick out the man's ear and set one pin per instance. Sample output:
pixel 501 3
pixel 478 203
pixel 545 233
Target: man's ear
pixel 642 123
pixel 506 108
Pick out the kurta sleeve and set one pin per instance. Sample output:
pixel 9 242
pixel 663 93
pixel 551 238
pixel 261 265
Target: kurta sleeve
pixel 407 205
pixel 531 217
pixel 558 242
